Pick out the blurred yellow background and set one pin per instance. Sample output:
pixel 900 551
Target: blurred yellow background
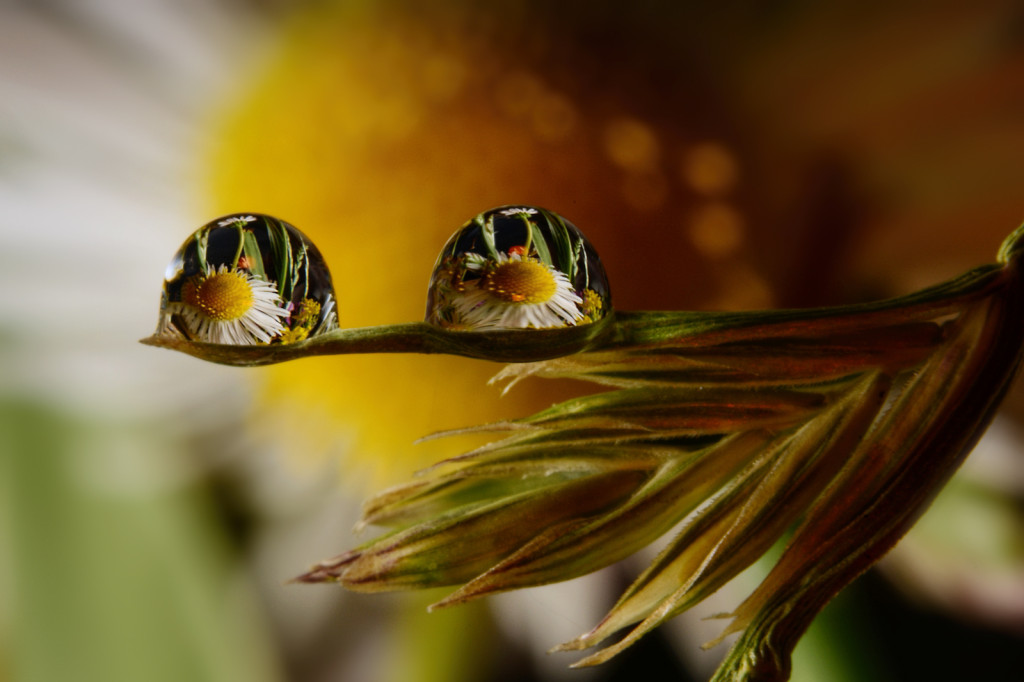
pixel 718 155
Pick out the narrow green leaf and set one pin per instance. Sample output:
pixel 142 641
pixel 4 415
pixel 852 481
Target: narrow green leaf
pixel 251 251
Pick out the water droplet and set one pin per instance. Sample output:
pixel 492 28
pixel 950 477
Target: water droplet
pixel 515 267
pixel 246 279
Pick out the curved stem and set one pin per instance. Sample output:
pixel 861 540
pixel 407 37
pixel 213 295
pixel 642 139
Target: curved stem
pixel 514 345
pixel 617 331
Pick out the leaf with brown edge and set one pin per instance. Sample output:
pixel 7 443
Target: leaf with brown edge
pixel 889 482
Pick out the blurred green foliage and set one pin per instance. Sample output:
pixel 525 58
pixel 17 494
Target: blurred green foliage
pixel 115 580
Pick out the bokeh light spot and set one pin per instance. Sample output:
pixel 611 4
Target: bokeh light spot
pixel 716 230
pixel 710 168
pixel 632 145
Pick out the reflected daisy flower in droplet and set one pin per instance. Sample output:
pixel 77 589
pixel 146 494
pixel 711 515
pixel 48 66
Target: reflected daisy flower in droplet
pixel 229 306
pixel 247 279
pixel 517 267
pixel 519 292
pixel 520 210
pixel 235 220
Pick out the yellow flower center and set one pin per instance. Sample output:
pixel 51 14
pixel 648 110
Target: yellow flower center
pixel 521 281
pixel 221 296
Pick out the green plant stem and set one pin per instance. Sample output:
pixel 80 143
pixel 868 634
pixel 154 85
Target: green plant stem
pixel 622 331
